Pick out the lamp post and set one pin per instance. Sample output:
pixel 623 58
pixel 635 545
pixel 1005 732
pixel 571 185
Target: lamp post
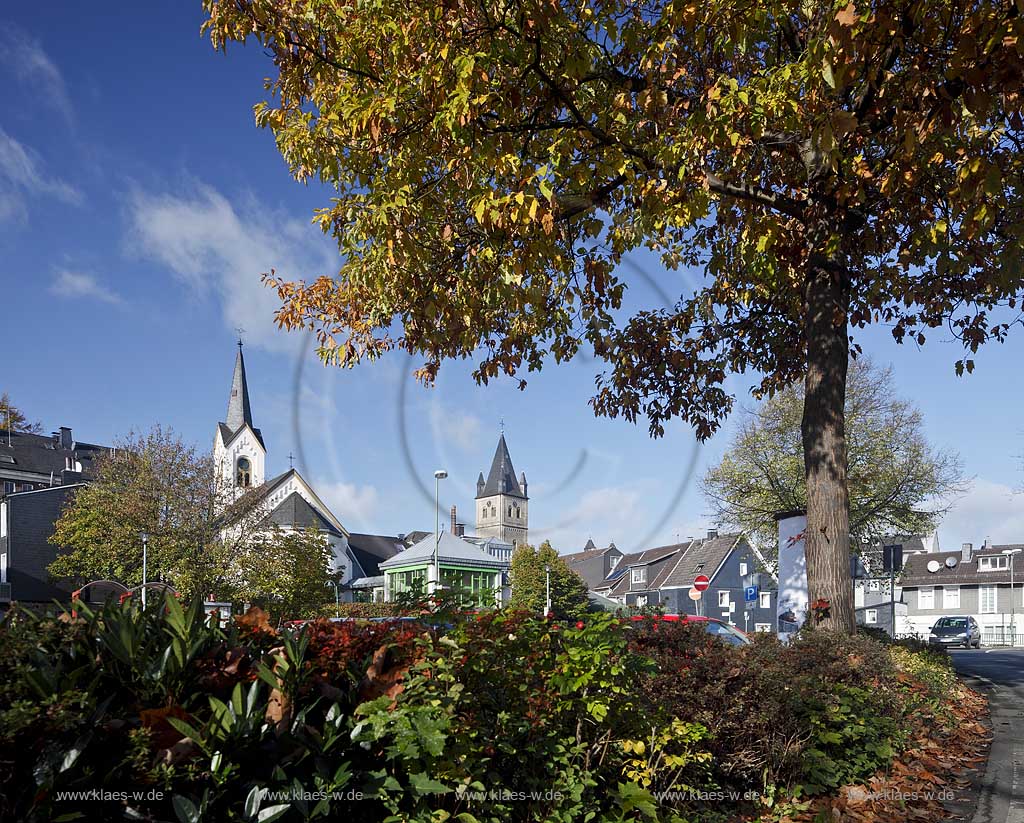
pixel 439 475
pixel 337 597
pixel 547 589
pixel 1013 603
pixel 145 553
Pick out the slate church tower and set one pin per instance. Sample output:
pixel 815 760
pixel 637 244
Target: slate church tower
pixel 501 501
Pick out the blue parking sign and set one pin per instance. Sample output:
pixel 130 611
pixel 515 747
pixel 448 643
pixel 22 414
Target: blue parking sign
pixel 750 594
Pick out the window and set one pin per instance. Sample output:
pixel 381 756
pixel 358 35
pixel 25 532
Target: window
pixel 698 568
pixel 641 601
pixel 871 616
pixel 995 563
pixel 638 576
pixel 614 562
pixel 858 595
pixel 989 599
pixel 951 597
pixel 723 599
pixel 766 600
pixel 412 580
pixel 762 627
pixel 926 597
pixel 243 473
pixel 743 568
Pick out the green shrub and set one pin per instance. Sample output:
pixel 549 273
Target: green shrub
pixel 498 716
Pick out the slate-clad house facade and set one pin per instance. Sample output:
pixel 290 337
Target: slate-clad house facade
pixel 594 565
pixel 662 577
pixel 37 476
pixel 27 521
pixel 967 582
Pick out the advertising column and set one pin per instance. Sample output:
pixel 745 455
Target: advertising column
pixel 793 600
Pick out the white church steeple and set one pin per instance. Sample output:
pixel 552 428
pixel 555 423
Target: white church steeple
pixel 238 450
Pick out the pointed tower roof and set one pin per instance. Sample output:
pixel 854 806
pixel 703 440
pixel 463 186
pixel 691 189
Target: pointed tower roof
pixel 239 411
pixel 501 479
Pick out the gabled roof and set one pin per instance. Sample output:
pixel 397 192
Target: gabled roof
pixel 501 479
pixel 370 550
pixel 41 454
pixel 915 568
pixel 414 537
pixel 451 549
pixel 271 485
pixel 296 512
pixel 589 551
pixel 617 581
pixel 239 410
pixel 226 435
pixel 708 554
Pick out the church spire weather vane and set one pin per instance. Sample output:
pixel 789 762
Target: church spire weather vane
pixel 240 331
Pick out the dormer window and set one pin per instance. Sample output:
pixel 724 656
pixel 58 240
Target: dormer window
pixel 638 576
pixel 243 473
pixel 992 564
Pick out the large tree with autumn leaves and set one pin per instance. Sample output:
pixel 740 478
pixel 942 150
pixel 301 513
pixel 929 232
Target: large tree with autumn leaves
pixel 825 166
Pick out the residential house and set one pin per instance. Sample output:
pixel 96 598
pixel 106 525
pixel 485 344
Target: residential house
pixel 27 521
pixel 594 565
pixel 984 583
pixel 368 551
pixel 662 578
pixel 876 600
pixel 34 461
pixel 481 570
pixel 38 475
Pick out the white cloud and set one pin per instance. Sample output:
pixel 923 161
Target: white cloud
pixel 608 514
pixel 457 428
pixel 353 505
pixel 210 243
pixel 22 177
pixel 72 285
pixel 25 58
pixel 988 509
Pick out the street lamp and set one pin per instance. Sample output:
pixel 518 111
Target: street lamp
pixel 547 586
pixel 1013 603
pixel 145 552
pixel 439 475
pixel 337 597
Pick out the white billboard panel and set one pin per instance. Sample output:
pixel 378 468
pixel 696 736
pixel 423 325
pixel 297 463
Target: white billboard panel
pixel 793 599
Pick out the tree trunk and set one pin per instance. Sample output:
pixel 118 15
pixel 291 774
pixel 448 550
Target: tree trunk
pixel 823 429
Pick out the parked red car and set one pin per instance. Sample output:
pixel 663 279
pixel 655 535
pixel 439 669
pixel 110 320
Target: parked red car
pixel 712 625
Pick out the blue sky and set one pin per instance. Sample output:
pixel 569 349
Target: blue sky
pixel 138 207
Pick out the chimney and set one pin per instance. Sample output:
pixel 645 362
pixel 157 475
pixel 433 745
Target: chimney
pixel 712 534
pixel 988 543
pixel 65 438
pixel 454 521
pixel 460 529
pixel 966 551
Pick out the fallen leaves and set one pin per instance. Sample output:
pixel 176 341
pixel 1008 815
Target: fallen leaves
pixel 933 769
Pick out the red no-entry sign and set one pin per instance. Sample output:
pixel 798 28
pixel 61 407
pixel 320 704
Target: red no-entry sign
pixel 701 582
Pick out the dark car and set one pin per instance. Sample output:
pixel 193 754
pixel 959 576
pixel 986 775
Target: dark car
pixel 956 631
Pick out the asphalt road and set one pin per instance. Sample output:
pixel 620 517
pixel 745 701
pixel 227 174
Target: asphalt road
pixel 1000 674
